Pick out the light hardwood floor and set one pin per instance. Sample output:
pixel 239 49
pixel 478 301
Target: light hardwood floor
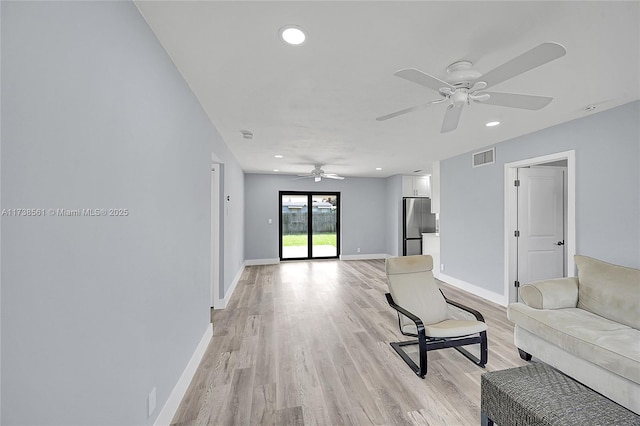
pixel 307 343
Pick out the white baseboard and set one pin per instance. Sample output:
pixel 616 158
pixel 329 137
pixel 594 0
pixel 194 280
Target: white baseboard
pixel 252 262
pixel 363 256
pixel 173 402
pixel 222 303
pixel 500 299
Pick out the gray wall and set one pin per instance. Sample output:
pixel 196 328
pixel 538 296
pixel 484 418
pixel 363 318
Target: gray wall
pixel 364 212
pixel 394 215
pixel 96 311
pixel 232 220
pixel 607 147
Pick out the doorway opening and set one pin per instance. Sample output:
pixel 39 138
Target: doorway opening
pixel 309 225
pixel 539 228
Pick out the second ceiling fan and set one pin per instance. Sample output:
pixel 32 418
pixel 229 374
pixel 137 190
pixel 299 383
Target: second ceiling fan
pixel 317 174
pixel 464 84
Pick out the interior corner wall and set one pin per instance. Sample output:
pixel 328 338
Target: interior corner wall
pixel 394 215
pixel 607 147
pixel 99 310
pixel 362 208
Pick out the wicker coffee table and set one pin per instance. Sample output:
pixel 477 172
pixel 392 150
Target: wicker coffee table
pixel 538 395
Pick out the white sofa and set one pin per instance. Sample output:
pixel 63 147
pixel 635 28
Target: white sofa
pixel 587 327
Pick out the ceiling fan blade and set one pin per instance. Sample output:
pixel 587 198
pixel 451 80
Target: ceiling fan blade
pixel 423 79
pixel 407 110
pixel 479 97
pixel 451 118
pixel 332 176
pixel 513 100
pixel 540 55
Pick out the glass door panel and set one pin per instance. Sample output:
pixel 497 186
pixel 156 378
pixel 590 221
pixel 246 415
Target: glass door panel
pixel 324 226
pixel 294 226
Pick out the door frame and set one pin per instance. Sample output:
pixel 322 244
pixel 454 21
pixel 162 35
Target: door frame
pixel 217 298
pixel 309 195
pixel 511 216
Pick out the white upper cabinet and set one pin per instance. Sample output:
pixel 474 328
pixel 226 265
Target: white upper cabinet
pixel 416 186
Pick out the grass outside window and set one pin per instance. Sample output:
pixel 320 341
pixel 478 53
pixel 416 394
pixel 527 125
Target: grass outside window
pixel 301 240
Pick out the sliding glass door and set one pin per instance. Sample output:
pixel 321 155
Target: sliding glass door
pixel 309 225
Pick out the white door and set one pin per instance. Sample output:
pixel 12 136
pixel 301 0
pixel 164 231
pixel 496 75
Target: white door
pixel 540 224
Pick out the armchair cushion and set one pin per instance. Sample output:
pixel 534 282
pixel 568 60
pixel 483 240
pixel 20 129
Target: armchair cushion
pixel 456 328
pixel 610 291
pixel 551 294
pixel 413 287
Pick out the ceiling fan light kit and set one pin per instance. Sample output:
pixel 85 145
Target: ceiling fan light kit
pixel 461 72
pixel 464 85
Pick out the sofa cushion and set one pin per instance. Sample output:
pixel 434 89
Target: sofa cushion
pixel 611 345
pixel 608 290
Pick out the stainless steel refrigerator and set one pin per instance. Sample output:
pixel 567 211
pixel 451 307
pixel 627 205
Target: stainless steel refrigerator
pixel 416 220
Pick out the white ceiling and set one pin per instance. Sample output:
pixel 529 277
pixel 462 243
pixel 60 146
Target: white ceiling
pixel 317 103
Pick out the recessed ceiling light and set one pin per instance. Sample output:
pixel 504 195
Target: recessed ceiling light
pixel 378 168
pixel 492 123
pixel 276 170
pixel 293 35
pixel 278 156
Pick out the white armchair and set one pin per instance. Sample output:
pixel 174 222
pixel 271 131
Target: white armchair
pixel 423 312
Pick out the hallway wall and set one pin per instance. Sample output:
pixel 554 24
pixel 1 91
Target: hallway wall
pixel 99 310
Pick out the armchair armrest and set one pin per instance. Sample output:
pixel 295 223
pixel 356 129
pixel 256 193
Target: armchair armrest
pixel 403 311
pixel 459 305
pixel 556 293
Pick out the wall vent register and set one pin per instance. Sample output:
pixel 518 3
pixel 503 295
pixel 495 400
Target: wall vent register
pixel 484 157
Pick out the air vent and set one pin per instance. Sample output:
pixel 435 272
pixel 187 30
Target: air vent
pixel 484 157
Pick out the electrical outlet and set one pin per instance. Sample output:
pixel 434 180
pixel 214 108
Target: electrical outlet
pixel 152 401
pixel 442 267
pixel 358 250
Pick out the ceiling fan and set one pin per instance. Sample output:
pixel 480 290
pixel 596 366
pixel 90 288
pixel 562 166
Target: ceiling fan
pixel 464 84
pixel 317 174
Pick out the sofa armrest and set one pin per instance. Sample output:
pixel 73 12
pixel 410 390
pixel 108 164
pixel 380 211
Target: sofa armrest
pixel 551 294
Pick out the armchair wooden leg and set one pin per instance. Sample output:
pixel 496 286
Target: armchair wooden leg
pixel 482 341
pixel 422 347
pixel 420 370
pixel 484 350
